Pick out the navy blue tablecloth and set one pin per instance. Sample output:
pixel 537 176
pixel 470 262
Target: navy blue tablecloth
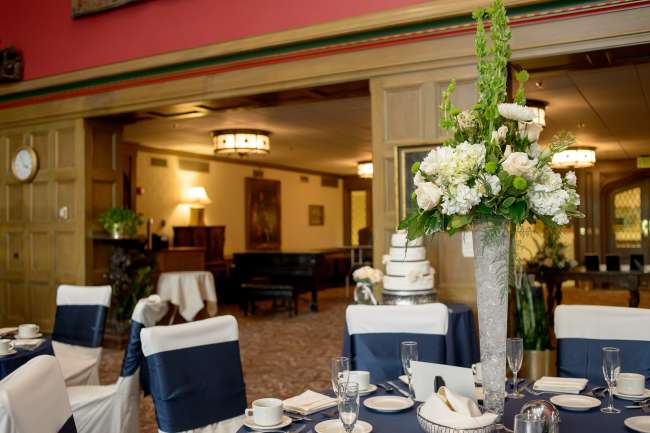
pixel 406 422
pixel 9 363
pixel 461 342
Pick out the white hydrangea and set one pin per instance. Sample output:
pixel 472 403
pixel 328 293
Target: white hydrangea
pixel 547 180
pixel 439 161
pixel 428 195
pixel 519 164
pixel 492 182
pixel 469 157
pixel 460 199
pixel 550 203
pixel 516 112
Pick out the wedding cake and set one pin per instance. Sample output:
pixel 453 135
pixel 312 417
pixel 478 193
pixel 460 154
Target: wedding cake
pixel 409 275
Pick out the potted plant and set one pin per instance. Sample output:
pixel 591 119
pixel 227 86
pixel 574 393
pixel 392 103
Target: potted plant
pixel 120 223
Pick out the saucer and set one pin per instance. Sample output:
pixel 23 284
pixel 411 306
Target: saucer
pixel 638 423
pixel 11 352
pixel 643 396
pixel 335 426
pixel 248 422
pixel 18 337
pixel 388 403
pixel 576 403
pixel 371 388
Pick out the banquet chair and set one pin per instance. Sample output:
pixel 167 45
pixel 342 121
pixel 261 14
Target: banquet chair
pixel 33 399
pixel 373 334
pixel 115 408
pixel 196 376
pixel 583 330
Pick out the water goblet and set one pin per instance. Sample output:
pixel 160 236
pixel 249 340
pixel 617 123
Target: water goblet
pixel 611 368
pixel 515 355
pixel 409 352
pixel 348 405
pixel 524 423
pixel 340 373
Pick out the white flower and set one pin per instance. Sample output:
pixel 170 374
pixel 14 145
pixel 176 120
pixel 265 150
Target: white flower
pixel 460 199
pixel 492 182
pixel 535 150
pixel 518 164
pixel 368 274
pixel 516 112
pixel 418 179
pixel 466 119
pixel 438 161
pixel 560 218
pixel 530 130
pixel 547 180
pixel 570 178
pixel 469 157
pixel 500 134
pixel 428 195
pixel 414 275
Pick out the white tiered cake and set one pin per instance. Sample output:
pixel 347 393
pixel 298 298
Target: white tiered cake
pixel 409 275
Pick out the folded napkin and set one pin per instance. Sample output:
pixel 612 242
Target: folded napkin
pixel 308 402
pixel 28 343
pixel 451 410
pixel 566 385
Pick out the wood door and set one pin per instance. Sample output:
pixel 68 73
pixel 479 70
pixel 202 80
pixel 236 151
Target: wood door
pixel 628 207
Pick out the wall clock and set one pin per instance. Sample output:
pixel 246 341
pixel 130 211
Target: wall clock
pixel 24 165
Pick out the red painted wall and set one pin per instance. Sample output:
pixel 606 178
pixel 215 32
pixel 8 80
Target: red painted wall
pixel 53 43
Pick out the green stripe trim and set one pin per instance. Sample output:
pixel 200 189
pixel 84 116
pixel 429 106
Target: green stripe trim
pixel 277 50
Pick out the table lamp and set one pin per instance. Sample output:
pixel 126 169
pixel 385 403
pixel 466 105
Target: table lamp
pixel 196 197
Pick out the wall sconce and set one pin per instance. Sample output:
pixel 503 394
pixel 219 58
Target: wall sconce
pixel 197 198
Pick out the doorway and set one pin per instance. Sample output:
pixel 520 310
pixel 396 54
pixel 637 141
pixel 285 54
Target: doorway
pixel 628 217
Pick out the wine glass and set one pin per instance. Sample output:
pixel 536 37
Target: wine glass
pixel 348 405
pixel 524 423
pixel 409 351
pixel 515 354
pixel 340 373
pixel 611 368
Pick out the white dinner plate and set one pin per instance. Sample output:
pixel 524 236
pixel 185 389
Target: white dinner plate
pixel 18 337
pixel 371 388
pixel 643 396
pixel 638 423
pixel 404 378
pixel 335 426
pixel 577 403
pixel 11 352
pixel 388 403
pixel 250 423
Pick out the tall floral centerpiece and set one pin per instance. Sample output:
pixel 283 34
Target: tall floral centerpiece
pixel 489 176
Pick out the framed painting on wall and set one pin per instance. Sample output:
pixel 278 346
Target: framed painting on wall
pixel 405 156
pixel 316 215
pixel 263 214
pixel 81 8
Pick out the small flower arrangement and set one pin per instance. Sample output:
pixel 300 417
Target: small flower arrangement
pixel 551 254
pixel 367 275
pixel 492 164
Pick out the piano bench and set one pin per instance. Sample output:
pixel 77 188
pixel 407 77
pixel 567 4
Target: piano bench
pixel 254 292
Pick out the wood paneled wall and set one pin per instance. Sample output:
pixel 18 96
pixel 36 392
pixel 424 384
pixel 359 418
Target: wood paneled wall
pixel 41 222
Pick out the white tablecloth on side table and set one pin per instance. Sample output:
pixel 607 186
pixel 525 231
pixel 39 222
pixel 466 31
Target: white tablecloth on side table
pixel 188 290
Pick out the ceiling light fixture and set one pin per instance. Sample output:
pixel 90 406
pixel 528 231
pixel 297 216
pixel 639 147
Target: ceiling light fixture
pixel 242 142
pixel 365 169
pixel 539 107
pixel 575 157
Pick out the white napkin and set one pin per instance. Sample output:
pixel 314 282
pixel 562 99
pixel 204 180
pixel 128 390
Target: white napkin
pixel 451 410
pixel 28 343
pixel 7 331
pixel 308 402
pixel 566 385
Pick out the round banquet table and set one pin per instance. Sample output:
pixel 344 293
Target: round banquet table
pixel 461 342
pixel 9 363
pixel 406 422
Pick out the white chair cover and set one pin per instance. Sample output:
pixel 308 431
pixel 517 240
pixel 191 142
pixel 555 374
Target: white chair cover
pixel 115 408
pixel 78 331
pixel 373 335
pixel 33 399
pixel 583 330
pixel 189 393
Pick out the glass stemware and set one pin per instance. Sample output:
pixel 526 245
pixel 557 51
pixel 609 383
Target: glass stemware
pixel 515 355
pixel 611 368
pixel 348 405
pixel 524 423
pixel 340 373
pixel 409 352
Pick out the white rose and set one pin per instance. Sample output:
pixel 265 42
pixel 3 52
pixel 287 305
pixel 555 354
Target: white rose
pixel 362 273
pixel 500 134
pixel 428 195
pixel 570 178
pixel 518 164
pixel 516 112
pixel 530 130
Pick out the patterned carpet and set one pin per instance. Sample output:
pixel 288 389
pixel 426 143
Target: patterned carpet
pixel 281 357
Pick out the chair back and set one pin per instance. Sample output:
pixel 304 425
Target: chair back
pixel 81 315
pixel 373 335
pixel 583 330
pixel 196 375
pixel 33 399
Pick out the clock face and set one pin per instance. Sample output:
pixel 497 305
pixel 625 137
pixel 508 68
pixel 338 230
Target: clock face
pixel 25 164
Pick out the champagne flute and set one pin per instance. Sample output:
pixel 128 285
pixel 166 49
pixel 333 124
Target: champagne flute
pixel 340 373
pixel 409 351
pixel 515 354
pixel 348 405
pixel 611 368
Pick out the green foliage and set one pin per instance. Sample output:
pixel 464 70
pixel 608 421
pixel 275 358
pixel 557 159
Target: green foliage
pixel 521 77
pixel 142 286
pixel 531 310
pixel 122 216
pixel 447 110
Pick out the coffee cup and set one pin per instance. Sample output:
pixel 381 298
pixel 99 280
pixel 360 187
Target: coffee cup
pixel 266 411
pixel 360 377
pixel 478 373
pixel 630 383
pixel 6 346
pixel 28 330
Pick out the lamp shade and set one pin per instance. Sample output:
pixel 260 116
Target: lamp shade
pixel 241 141
pixel 365 169
pixel 575 157
pixel 196 196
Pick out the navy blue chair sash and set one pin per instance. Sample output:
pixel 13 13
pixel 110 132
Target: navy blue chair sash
pixel 134 358
pixel 197 386
pixel 577 357
pixel 69 426
pixel 80 325
pixel 380 353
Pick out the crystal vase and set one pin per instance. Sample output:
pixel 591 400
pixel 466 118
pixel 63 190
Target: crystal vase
pixel 491 239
